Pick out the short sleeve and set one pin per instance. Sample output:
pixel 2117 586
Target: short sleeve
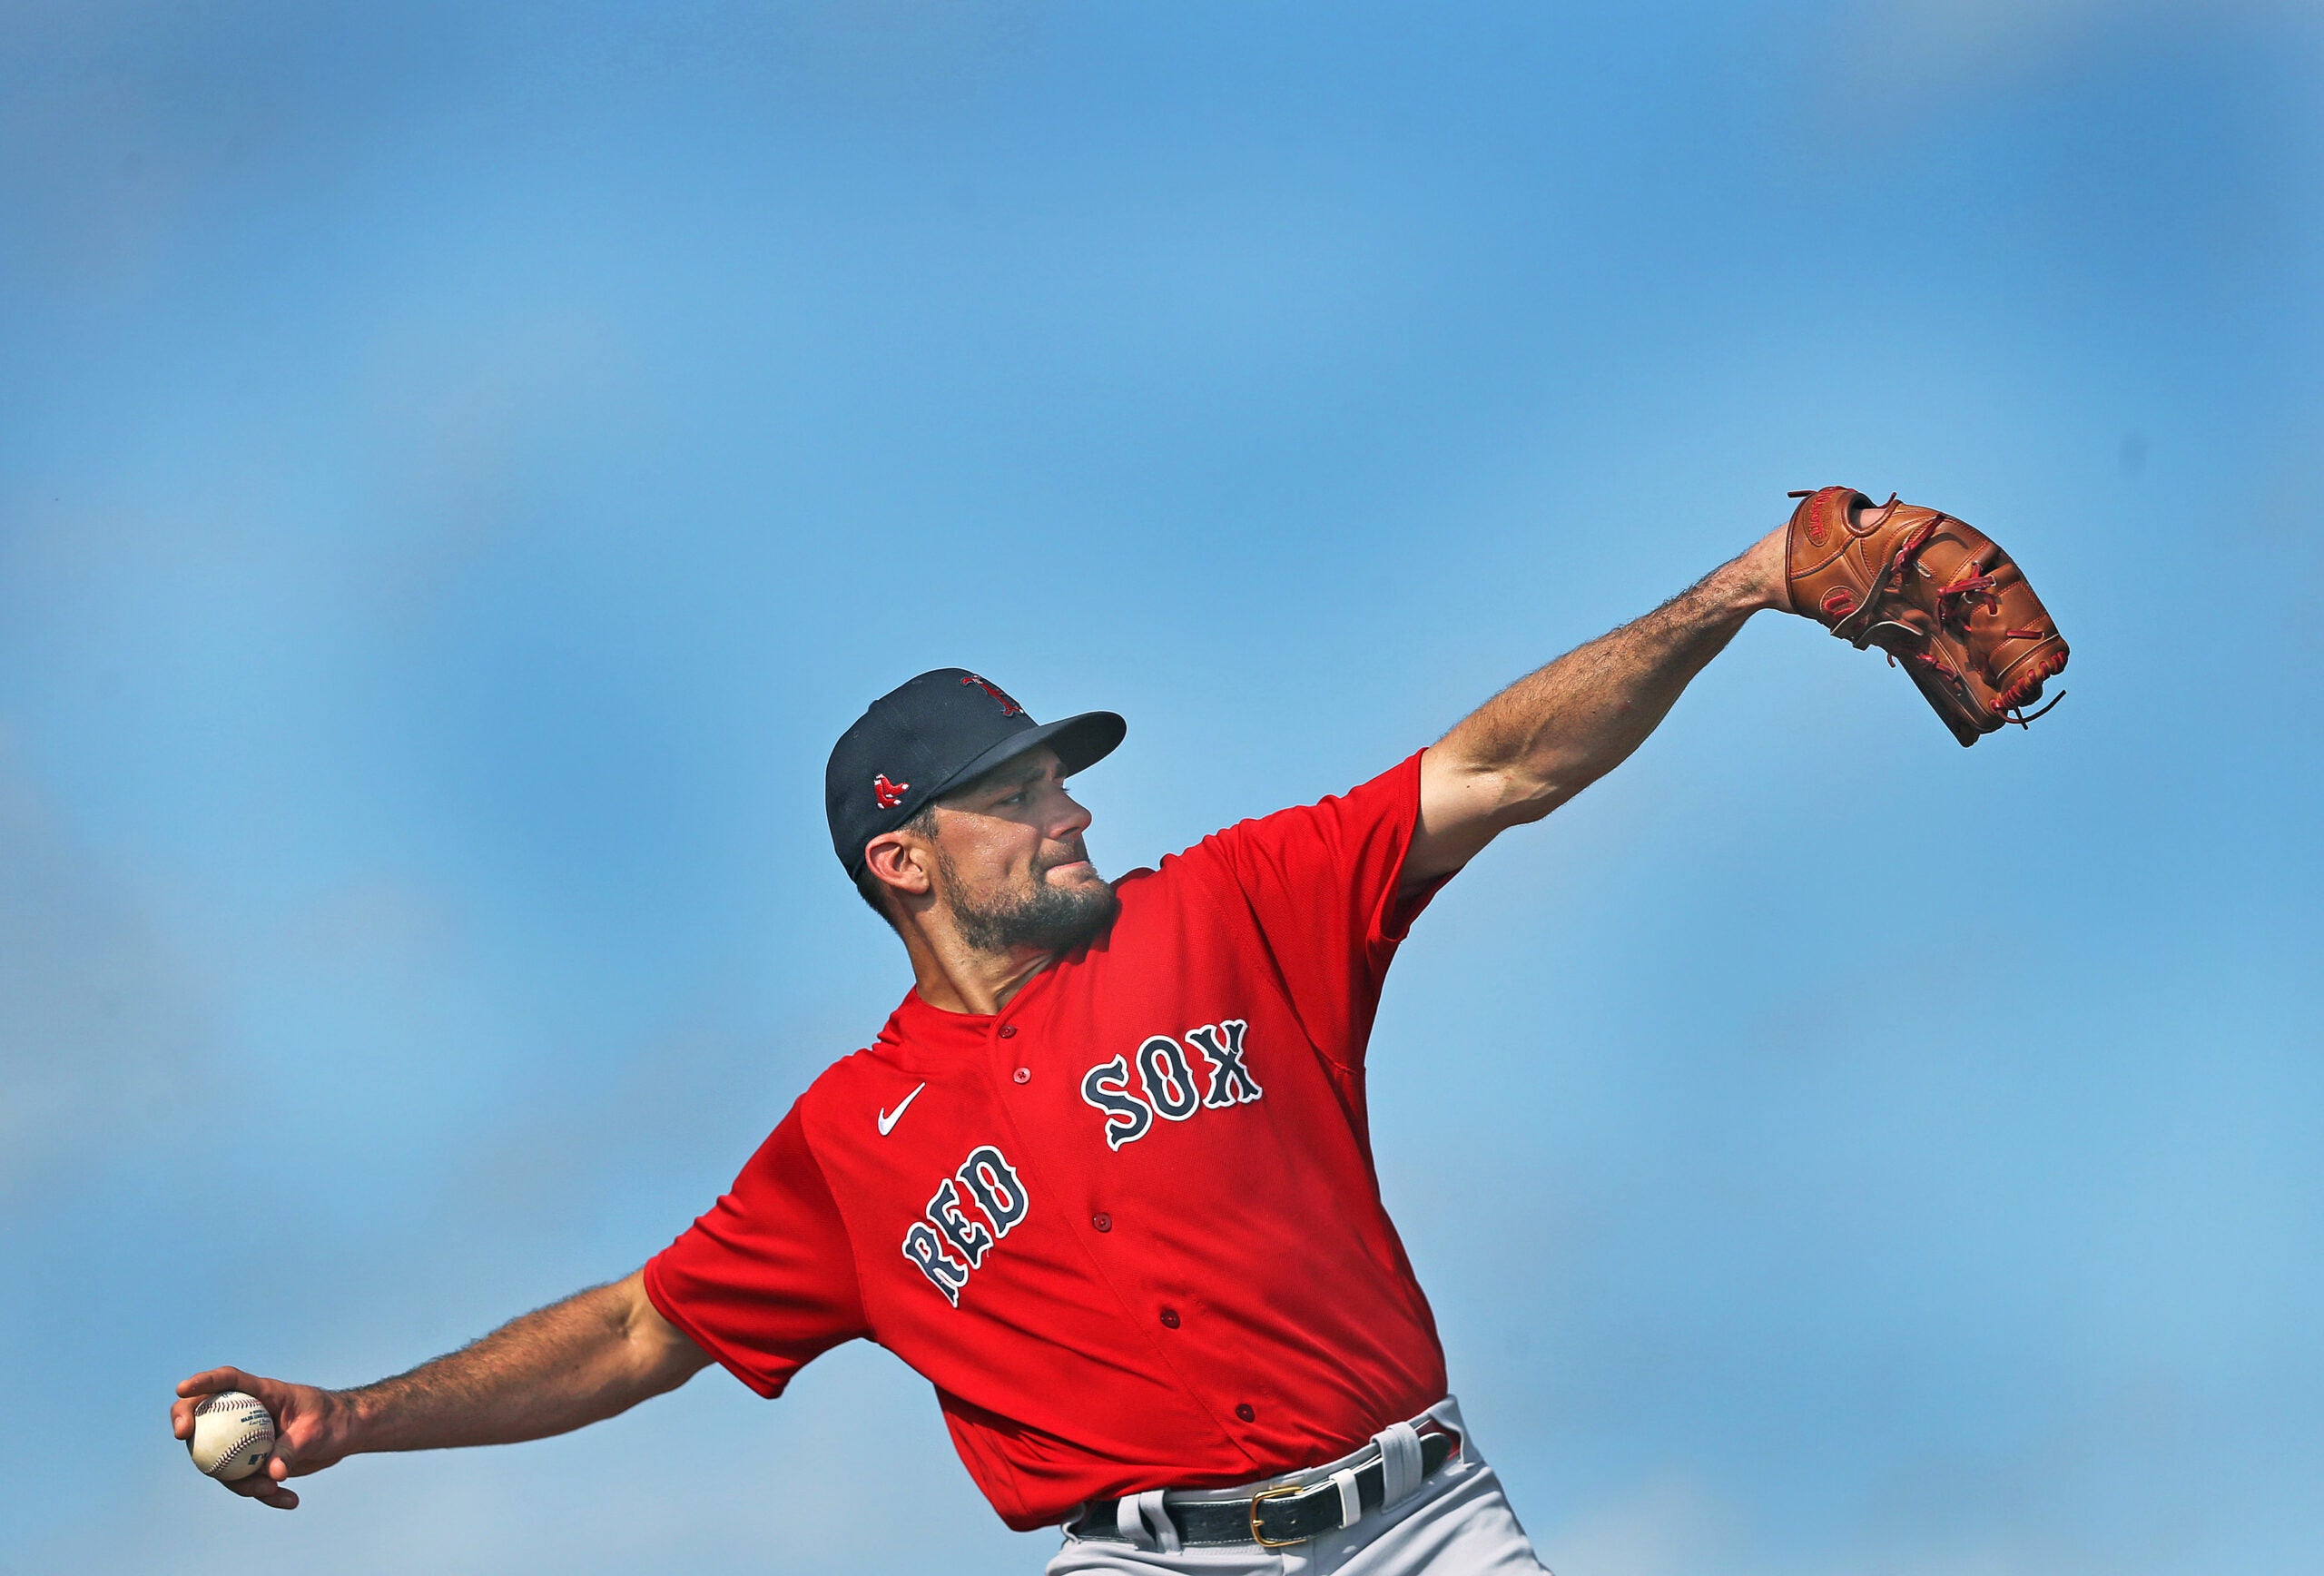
pixel 1320 881
pixel 765 1282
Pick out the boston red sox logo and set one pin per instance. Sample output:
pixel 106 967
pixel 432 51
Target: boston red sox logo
pixel 889 794
pixel 1009 708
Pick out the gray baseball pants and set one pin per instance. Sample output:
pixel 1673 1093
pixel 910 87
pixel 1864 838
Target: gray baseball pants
pixel 1456 1523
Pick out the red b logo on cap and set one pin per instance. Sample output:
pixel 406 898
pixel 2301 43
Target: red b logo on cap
pixel 889 794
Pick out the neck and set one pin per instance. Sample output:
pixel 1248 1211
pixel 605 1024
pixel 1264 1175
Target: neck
pixel 955 978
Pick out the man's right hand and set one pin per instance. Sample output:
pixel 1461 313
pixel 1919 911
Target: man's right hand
pixel 312 1429
pixel 556 1368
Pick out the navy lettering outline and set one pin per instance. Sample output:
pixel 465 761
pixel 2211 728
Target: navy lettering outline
pixel 993 1182
pixel 969 1239
pixel 1231 1083
pixel 1168 1078
pixel 922 1248
pixel 1106 1087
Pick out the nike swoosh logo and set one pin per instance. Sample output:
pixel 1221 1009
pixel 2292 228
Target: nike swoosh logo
pixel 890 1119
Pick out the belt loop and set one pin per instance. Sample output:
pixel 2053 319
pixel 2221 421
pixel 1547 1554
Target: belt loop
pixel 1144 1519
pixel 1400 1463
pixel 1351 1501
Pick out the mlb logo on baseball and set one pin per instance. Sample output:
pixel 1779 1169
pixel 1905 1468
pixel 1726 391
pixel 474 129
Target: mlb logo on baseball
pixel 232 1435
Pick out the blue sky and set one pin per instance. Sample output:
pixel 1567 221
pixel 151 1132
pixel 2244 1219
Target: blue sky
pixel 462 465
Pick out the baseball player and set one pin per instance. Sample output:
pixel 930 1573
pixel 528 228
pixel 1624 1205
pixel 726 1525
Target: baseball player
pixel 1105 1177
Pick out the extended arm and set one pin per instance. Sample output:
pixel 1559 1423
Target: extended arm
pixel 595 1353
pixel 1559 729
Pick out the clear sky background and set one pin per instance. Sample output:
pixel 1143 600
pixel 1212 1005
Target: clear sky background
pixel 461 465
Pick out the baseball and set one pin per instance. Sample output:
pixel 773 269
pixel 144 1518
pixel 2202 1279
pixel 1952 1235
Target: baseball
pixel 232 1435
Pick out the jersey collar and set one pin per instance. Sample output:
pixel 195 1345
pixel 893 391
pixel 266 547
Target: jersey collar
pixel 920 1033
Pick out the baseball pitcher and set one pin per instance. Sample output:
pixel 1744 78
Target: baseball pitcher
pixel 1105 1177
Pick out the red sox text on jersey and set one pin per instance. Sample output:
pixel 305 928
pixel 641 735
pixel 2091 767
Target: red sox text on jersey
pixel 950 1240
pixel 1168 1086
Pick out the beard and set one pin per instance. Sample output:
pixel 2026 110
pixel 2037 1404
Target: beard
pixel 1047 919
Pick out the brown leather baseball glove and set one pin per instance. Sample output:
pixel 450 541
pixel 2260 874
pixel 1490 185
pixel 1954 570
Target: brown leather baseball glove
pixel 1935 592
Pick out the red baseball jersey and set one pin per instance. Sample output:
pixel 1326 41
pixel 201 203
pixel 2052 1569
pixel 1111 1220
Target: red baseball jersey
pixel 1128 1225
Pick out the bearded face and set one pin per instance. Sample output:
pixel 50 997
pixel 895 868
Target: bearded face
pixel 1006 862
pixel 1052 904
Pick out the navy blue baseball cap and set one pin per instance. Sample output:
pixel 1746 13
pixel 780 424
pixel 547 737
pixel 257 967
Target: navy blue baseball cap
pixel 931 735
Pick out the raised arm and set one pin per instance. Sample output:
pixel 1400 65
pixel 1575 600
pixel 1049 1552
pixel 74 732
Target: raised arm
pixel 1560 728
pixel 595 1353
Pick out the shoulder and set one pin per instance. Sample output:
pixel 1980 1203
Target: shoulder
pixel 1390 798
pixel 844 1078
pixel 1183 889
pixel 874 1073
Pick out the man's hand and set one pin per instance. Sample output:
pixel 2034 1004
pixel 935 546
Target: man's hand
pixel 1559 729
pixel 577 1362
pixel 312 1429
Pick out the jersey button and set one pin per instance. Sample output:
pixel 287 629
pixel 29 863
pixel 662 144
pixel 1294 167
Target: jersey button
pixel 1169 1318
pixel 1242 1410
pixel 1023 1075
pixel 1102 1221
pixel 1007 1031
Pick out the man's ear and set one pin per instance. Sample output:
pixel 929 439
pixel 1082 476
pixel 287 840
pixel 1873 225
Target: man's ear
pixel 901 861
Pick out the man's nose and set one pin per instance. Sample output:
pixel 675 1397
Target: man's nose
pixel 1069 819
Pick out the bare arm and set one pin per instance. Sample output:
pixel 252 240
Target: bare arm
pixel 1559 729
pixel 595 1353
